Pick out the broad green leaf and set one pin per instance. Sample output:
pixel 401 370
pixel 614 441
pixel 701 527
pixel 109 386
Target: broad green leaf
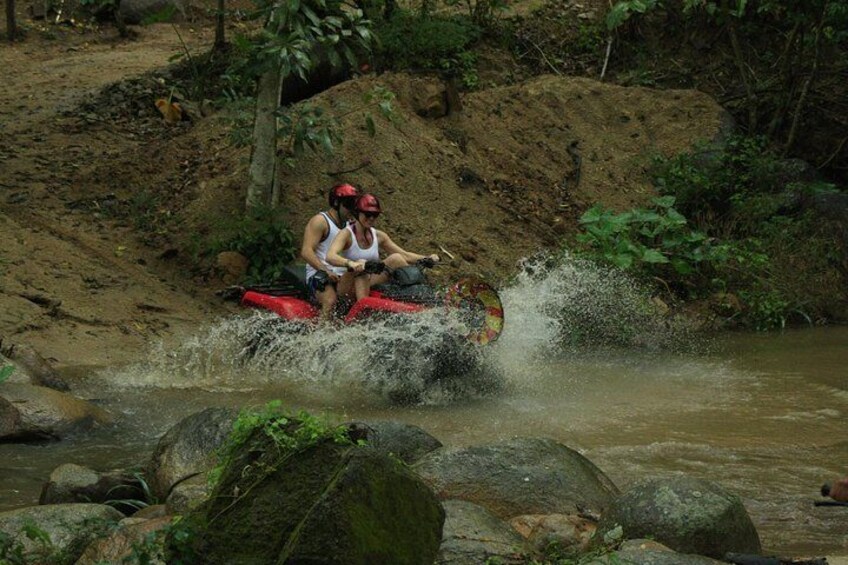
pixel 664 201
pixel 653 256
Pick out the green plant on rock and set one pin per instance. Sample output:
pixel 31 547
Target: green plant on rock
pixel 289 434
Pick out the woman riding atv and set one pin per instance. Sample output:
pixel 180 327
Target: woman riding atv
pixel 360 242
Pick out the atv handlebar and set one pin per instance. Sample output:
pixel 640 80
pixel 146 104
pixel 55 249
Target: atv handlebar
pixel 377 267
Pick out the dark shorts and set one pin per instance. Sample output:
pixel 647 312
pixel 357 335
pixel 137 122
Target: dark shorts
pixel 318 283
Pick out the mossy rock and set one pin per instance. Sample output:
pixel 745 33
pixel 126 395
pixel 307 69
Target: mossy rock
pixel 329 503
pixel 686 514
pixel 519 476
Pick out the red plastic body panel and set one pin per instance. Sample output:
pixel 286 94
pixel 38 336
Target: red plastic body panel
pixel 376 303
pixel 287 307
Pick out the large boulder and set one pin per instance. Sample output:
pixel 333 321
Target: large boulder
pixel 407 442
pixel 30 412
pixel 70 527
pixel 688 515
pixel 329 503
pixel 474 535
pixel 187 495
pixel 519 476
pixel 75 483
pixel 649 552
pixel 188 449
pixel 133 535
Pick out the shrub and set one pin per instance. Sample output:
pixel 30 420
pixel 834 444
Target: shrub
pixel 261 235
pixel 428 43
pixel 654 241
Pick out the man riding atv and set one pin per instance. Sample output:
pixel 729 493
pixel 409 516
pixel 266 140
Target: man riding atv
pixel 326 282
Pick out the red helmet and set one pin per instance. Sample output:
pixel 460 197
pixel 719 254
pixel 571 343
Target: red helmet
pixel 368 203
pixel 343 195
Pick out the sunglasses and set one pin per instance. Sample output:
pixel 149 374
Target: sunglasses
pixel 371 215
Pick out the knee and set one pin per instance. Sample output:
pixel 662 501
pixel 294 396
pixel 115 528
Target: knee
pixel 396 260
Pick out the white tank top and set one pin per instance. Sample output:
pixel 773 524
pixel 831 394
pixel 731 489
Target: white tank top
pixel 355 253
pixel 323 247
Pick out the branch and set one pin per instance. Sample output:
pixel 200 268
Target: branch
pixel 799 108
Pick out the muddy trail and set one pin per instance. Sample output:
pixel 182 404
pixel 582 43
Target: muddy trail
pixel 74 286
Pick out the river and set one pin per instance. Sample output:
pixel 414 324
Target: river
pixel 762 414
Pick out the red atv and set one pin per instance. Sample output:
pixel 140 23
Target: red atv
pixel 407 293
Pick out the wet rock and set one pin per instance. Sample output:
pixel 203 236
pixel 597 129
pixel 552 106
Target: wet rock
pixel 30 363
pixel 686 514
pixel 570 533
pixel 152 511
pixel 407 442
pixel 649 552
pixel 75 483
pixel 71 527
pixel 119 546
pixel 188 449
pixel 33 412
pixel 519 476
pixel 473 535
pixel 330 503
pixel 135 11
pixel 187 495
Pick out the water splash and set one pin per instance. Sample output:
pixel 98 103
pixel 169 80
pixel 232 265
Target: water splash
pixel 418 359
pixel 555 304
pixel 559 303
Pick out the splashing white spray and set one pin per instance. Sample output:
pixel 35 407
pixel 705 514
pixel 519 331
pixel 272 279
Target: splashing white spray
pixel 555 303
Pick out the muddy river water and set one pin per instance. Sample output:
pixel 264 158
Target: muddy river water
pixel 764 415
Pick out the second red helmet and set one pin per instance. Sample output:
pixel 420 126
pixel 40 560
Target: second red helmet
pixel 368 203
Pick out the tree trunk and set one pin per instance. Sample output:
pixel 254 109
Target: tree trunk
pixel 11 24
pixel 263 159
pixel 220 40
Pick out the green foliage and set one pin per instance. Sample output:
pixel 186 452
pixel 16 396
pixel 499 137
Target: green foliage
pixel 624 9
pixel 144 499
pixel 430 43
pixel 290 434
pixel 656 240
pixel 740 184
pixel 172 544
pixel 294 29
pixel 261 235
pixel 750 198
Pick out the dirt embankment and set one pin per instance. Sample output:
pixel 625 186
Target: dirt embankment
pixel 504 177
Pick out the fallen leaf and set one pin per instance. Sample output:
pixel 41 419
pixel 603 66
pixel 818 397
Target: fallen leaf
pixel 171 111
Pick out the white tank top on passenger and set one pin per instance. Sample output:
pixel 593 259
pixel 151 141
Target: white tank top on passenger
pixel 323 247
pixel 355 253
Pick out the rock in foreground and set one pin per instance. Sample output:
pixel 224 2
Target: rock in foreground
pixel 686 514
pixel 330 503
pixel 521 476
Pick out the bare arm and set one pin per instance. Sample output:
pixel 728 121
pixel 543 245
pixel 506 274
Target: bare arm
pixel 391 247
pixel 315 230
pixel 339 244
